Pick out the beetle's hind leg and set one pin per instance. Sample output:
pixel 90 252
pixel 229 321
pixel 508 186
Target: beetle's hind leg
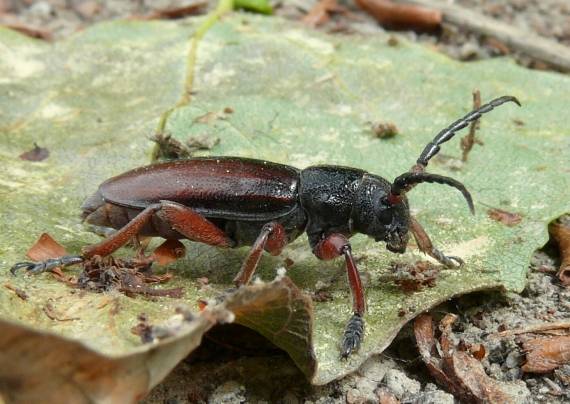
pixel 182 219
pixel 425 245
pixel 47 265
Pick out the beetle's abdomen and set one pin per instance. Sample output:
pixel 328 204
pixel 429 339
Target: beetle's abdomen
pixel 228 188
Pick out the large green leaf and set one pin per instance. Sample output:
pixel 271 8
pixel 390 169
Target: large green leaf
pixel 299 97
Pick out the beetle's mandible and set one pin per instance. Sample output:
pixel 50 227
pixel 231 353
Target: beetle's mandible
pixel 231 202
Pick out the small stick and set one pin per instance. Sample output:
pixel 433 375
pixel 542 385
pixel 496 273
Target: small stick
pixel 469 140
pixel 559 325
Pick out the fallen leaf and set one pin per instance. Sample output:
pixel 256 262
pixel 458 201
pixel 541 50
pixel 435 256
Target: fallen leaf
pixel 457 371
pixel 545 354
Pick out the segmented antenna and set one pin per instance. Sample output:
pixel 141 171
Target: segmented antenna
pixel 433 148
pixel 406 181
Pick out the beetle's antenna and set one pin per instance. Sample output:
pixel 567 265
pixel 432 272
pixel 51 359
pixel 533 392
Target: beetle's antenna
pixel 446 134
pixel 406 181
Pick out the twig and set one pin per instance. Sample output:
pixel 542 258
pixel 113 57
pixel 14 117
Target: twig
pixel 469 140
pixel 560 325
pixel 533 45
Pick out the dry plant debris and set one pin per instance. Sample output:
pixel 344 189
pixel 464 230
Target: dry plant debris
pixel 36 154
pixel 504 217
pixel 413 277
pixel 457 371
pixel 561 234
pixel 384 130
pixel 402 16
pixel 102 274
pixel 469 140
pixel 321 11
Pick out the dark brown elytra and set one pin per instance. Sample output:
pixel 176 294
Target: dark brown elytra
pixel 231 202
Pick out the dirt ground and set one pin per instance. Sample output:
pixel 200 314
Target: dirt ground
pixel 265 374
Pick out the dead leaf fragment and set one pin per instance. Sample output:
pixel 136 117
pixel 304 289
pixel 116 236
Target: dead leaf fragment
pixel 460 373
pixel 46 248
pixel 545 354
pixel 19 292
pixel 36 154
pixel 561 233
pixel 320 13
pixel 413 277
pixel 384 130
pixel 168 252
pixel 402 16
pixel 26 29
pixel 173 13
pixel 504 217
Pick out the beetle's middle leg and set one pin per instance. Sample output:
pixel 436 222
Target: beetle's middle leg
pixel 332 246
pixel 425 245
pixel 272 238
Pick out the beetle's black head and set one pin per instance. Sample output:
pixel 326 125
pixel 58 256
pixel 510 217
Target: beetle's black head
pixel 374 215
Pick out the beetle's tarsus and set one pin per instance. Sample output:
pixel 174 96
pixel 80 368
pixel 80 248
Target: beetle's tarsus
pixel 47 265
pixel 353 335
pixel 449 261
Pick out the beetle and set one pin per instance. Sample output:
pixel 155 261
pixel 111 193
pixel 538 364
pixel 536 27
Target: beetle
pixel 231 202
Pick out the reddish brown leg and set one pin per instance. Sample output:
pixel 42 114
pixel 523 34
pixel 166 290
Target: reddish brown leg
pixel 271 239
pixel 331 247
pixel 181 218
pixel 184 220
pixel 425 245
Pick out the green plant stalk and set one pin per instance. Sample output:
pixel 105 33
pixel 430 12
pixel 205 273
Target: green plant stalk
pixel 223 7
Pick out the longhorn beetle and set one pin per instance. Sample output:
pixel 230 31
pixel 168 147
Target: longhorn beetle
pixel 231 202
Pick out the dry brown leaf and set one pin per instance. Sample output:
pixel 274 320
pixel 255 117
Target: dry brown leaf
pixel 504 217
pixel 561 234
pixel 45 248
pixel 545 354
pixel 402 16
pixel 457 371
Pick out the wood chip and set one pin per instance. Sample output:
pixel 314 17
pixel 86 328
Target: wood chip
pixel 545 354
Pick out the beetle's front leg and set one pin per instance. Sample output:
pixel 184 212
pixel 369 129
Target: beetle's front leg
pixel 47 265
pixel 425 245
pixel 332 246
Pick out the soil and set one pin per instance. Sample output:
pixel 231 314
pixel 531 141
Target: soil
pixel 263 373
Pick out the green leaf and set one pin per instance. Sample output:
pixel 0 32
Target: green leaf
pixel 298 97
